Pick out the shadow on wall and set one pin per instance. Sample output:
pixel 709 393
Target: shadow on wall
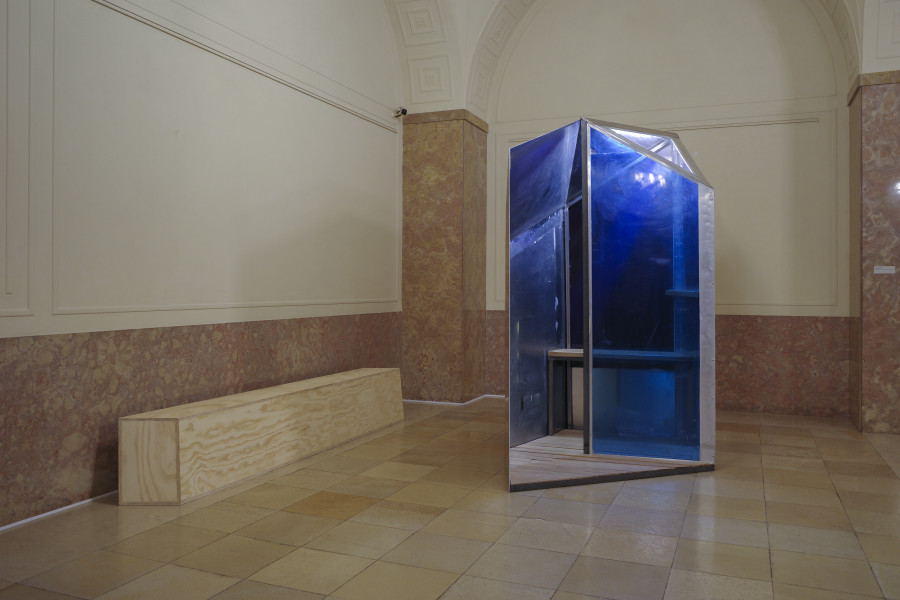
pixel 106 464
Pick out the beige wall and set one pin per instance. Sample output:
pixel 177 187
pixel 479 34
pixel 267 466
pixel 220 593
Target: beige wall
pixel 231 168
pixel 249 170
pixel 757 90
pixel 881 36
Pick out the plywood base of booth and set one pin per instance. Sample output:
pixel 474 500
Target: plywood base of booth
pixel 559 461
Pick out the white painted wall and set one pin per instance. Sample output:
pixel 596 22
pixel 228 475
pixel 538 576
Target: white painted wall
pixel 250 170
pixel 757 90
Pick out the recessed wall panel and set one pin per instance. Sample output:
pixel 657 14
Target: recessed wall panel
pixel 183 181
pixel 14 146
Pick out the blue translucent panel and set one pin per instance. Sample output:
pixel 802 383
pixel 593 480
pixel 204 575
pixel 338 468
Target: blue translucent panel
pixel 652 407
pixel 646 408
pixel 537 321
pixel 540 173
pixel 644 298
pixel 631 250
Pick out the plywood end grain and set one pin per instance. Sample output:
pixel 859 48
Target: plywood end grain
pixel 148 461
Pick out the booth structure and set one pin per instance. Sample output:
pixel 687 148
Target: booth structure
pixel 611 266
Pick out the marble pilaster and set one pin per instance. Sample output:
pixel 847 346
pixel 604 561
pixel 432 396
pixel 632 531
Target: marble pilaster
pixel 880 246
pixel 444 221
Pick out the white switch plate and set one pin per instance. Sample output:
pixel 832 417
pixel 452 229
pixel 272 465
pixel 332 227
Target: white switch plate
pixel 885 269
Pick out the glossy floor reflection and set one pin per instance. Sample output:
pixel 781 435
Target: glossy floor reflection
pixel 798 508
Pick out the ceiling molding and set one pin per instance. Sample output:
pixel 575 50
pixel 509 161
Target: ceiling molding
pixel 420 22
pixel 430 79
pixel 844 26
pixel 507 16
pixel 429 54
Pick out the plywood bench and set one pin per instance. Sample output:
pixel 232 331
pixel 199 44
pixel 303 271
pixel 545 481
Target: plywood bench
pixel 173 455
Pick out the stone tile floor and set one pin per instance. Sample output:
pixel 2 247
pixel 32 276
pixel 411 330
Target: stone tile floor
pixel 798 508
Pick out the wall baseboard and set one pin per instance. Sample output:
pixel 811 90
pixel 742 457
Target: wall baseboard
pixel 454 403
pixel 56 512
pixel 108 494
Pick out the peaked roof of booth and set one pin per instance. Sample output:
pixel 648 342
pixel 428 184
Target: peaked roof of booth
pixel 545 172
pixel 663 146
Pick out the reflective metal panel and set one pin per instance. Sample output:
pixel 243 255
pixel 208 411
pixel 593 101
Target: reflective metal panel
pixel 536 323
pixel 707 275
pixel 540 172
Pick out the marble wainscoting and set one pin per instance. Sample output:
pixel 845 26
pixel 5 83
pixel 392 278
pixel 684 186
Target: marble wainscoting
pixel 788 365
pixel 444 204
pixel 880 224
pixel 62 395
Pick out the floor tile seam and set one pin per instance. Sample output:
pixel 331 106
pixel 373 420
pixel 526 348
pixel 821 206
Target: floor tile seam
pixel 109 548
pixel 80 556
pixel 483 552
pixel 669 576
pixel 286 543
pixel 673 567
pixel 238 582
pixel 866 561
pixel 768 533
pixel 684 525
pixel 893 464
pixel 307 546
pixel 671 560
pixel 806 587
pixel 856 536
pixel 770 581
pixel 669 570
pixel 375 562
pixel 174 563
pixel 497 543
pixel 159 566
pixel 444 596
pixel 38 589
pixel 523 517
pixel 859 542
pixel 451 485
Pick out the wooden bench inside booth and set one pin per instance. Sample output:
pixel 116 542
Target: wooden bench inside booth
pixel 176 454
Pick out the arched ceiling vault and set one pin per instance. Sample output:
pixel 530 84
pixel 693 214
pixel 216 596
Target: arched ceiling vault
pixel 440 71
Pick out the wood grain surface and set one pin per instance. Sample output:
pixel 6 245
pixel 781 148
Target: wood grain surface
pixel 221 441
